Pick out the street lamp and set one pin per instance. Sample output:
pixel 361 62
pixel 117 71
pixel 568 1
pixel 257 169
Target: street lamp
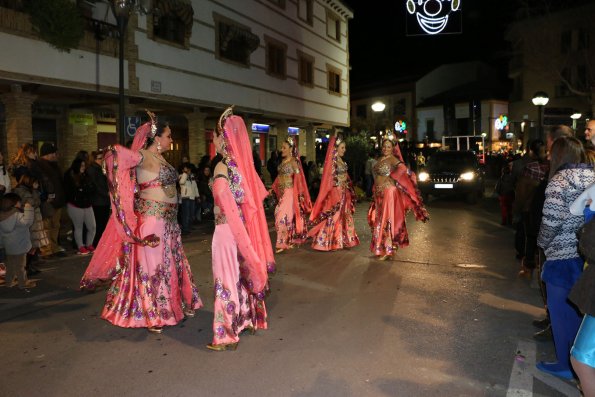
pixel 378 106
pixel 575 117
pixel 122 10
pixel 540 99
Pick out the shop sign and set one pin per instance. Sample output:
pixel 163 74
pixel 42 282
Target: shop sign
pixel 81 118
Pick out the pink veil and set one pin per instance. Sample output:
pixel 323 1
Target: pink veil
pixel 252 189
pixel 119 164
pixel 328 178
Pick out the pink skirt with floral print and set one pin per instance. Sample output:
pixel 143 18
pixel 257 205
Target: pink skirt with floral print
pixel 153 286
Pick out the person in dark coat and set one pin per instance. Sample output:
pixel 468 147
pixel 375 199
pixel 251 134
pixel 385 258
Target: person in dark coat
pixel 100 200
pixel 79 193
pixel 272 165
pixel 53 197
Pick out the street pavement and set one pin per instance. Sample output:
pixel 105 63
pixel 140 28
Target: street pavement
pixel 447 316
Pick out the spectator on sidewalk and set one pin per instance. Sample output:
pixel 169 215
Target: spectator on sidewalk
pixel 369 173
pixel 53 198
pixel 188 194
pixel 272 165
pixel 505 191
pixel 28 191
pixel 15 220
pixel 100 200
pixel 79 192
pixel 25 162
pixel 569 177
pixel 206 195
pixel 5 185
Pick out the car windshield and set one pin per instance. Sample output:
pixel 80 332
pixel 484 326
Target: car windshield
pixel 452 161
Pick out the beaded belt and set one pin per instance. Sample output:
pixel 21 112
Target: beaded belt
pixel 158 209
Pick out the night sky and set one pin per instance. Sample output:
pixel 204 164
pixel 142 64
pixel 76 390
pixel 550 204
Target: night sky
pixel 380 49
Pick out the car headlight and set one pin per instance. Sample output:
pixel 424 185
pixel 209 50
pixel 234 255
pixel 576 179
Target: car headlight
pixel 423 176
pixel 468 176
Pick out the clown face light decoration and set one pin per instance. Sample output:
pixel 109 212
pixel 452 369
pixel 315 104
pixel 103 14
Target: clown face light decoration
pixel 433 17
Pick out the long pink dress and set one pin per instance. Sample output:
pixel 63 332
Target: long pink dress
pixel 331 220
pixel 241 249
pixel 141 252
pixel 293 205
pixel 392 201
pixel 235 308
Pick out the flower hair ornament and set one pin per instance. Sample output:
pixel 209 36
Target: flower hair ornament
pixel 339 140
pixel 391 137
pixel 153 118
pixel 291 142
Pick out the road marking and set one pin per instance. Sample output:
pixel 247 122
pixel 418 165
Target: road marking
pixel 524 370
pixel 521 379
pixel 558 384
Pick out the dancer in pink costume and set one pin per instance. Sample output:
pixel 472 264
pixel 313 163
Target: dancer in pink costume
pixel 331 220
pixel 140 254
pixel 395 194
pixel 241 247
pixel 294 204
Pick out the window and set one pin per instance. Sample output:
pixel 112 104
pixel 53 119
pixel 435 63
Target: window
pixel 169 27
pixel 306 69
pixel 305 10
pixel 279 3
pixel 275 58
pixel 400 107
pixel 517 89
pixel 565 41
pixel 334 80
pixel 169 23
pixel 333 26
pixel 582 77
pixel 234 43
pixel 430 129
pixel 583 39
pixel 361 111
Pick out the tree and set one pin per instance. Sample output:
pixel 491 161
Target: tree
pixel 358 147
pixel 556 39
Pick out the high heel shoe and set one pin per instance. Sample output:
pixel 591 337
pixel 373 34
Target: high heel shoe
pixel 222 347
pixel 155 330
pixel 252 330
pixel 278 251
pixel 189 313
pixel 384 257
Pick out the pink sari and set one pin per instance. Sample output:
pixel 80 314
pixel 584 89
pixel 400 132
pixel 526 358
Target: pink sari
pixel 140 252
pixel 292 210
pixel 387 212
pixel 241 248
pixel 331 220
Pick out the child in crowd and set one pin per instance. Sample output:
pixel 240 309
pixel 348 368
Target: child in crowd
pixel 28 191
pixel 15 220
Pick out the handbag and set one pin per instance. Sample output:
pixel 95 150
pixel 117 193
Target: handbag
pixel 586 240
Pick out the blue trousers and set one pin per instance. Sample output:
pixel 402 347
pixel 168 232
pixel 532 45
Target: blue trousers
pixel 187 214
pixel 566 321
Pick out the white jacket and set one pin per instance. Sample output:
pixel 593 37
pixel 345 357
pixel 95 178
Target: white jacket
pixel 188 187
pixel 14 231
pixel 5 180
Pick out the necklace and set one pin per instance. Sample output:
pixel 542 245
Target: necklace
pixel 159 158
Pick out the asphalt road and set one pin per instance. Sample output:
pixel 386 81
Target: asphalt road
pixel 447 316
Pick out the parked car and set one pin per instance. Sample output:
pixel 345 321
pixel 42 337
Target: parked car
pixel 452 172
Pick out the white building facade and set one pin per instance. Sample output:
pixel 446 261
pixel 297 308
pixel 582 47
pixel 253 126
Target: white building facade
pixel 282 63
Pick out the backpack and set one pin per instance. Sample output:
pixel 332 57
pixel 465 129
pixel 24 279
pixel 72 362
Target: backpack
pixel 586 240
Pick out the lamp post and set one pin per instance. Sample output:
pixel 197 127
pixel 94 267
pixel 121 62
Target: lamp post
pixel 378 107
pixel 122 10
pixel 575 117
pixel 540 99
